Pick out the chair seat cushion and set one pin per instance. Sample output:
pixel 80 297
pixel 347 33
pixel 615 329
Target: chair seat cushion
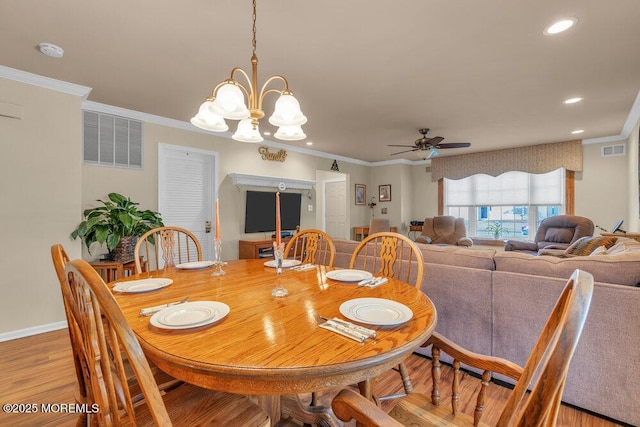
pixel 416 409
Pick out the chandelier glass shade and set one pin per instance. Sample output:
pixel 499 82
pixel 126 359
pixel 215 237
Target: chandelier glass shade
pixel 227 101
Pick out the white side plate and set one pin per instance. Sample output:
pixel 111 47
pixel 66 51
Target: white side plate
pixel 190 315
pixel 376 311
pixel 349 275
pixel 196 265
pixel 286 263
pixel 142 285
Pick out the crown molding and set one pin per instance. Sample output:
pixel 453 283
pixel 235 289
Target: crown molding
pixel 629 124
pixel 44 82
pixel 83 92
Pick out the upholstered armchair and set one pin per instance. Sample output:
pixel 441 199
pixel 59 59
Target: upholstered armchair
pixel 444 230
pixel 555 232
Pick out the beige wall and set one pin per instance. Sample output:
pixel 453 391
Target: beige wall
pixel 39 201
pixel 602 186
pixel 45 187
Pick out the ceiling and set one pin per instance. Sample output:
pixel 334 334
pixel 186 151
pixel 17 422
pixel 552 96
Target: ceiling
pixel 366 73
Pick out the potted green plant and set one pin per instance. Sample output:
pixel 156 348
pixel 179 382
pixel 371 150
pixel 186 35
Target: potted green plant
pixel 496 228
pixel 117 223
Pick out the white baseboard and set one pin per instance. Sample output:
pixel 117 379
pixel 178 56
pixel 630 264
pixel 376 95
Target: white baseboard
pixel 21 333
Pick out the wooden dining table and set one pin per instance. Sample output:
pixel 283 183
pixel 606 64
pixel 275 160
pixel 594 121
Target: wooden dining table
pixel 271 347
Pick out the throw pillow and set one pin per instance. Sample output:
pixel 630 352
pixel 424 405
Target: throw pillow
pixel 600 250
pixel 586 245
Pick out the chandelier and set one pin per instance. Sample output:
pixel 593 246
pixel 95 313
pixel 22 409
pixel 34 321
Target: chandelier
pixel 227 102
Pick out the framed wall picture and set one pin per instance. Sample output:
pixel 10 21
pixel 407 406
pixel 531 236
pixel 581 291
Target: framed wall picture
pixel 361 194
pixel 384 193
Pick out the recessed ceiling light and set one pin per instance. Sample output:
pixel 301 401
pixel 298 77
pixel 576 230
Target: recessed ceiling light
pixel 51 50
pixel 577 131
pixel 309 143
pixel 560 26
pixel 572 100
pixel 266 133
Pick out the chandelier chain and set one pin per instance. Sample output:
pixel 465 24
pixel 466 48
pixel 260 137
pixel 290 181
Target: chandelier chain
pixel 253 16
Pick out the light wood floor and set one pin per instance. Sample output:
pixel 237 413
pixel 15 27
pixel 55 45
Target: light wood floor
pixel 39 370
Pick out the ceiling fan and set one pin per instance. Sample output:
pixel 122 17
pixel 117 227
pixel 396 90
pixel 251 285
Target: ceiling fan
pixel 432 145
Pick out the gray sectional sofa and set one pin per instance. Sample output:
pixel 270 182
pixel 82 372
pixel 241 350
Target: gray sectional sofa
pixel 496 302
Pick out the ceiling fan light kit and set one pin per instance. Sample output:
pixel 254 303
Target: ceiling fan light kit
pixel 431 145
pixel 227 101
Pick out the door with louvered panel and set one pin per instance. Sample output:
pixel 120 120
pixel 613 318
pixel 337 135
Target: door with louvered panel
pixel 187 191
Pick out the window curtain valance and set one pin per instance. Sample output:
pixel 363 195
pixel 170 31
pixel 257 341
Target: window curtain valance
pixel 537 159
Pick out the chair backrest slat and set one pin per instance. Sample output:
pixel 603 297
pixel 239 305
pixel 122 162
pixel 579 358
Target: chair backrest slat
pixel 166 246
pixel 311 246
pixel 391 255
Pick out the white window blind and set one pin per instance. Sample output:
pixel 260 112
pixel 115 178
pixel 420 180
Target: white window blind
pixel 508 189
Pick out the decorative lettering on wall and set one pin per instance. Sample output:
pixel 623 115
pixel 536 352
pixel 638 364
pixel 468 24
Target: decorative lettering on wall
pixel 276 157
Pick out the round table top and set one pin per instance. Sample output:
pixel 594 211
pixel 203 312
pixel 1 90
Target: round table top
pixel 268 345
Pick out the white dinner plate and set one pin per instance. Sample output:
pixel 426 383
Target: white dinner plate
pixel 376 311
pixel 190 315
pixel 142 285
pixel 196 265
pixel 349 275
pixel 286 263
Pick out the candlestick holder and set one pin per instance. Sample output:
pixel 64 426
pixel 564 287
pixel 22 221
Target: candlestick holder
pixel 278 254
pixel 218 263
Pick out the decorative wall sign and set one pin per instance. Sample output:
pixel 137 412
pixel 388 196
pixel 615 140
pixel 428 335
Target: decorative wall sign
pixel 334 166
pixel 361 194
pixel 384 193
pixel 280 156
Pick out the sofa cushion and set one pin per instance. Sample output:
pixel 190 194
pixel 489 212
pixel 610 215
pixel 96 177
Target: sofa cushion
pixel 586 245
pixel 458 256
pixel 622 269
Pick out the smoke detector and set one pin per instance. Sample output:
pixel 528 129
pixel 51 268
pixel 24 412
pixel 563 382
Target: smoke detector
pixel 51 50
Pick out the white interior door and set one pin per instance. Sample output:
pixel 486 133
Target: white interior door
pixel 186 186
pixel 335 193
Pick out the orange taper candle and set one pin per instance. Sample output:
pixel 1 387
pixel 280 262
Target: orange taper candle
pixel 278 232
pixel 217 219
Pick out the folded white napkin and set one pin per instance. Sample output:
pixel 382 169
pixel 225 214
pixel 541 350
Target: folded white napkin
pixel 369 333
pixel 343 330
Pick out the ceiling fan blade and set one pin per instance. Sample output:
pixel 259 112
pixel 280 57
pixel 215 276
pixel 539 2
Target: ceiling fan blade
pixel 405 151
pixel 394 145
pixel 435 140
pixel 454 145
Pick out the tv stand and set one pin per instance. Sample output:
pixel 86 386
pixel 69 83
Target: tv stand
pixel 260 248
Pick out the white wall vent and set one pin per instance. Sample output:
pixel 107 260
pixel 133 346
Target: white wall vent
pixel 613 150
pixel 111 140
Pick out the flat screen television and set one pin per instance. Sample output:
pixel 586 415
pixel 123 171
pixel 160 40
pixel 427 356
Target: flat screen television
pixel 260 215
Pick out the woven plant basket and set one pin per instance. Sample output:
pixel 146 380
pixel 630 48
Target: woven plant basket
pixel 125 248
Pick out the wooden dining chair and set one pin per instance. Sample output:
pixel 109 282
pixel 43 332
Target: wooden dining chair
pixel 547 366
pixel 165 381
pixel 311 246
pixel 391 255
pixel 60 260
pixel 106 336
pixel 166 246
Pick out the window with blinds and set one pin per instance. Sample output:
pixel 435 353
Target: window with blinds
pixel 506 206
pixel 111 140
